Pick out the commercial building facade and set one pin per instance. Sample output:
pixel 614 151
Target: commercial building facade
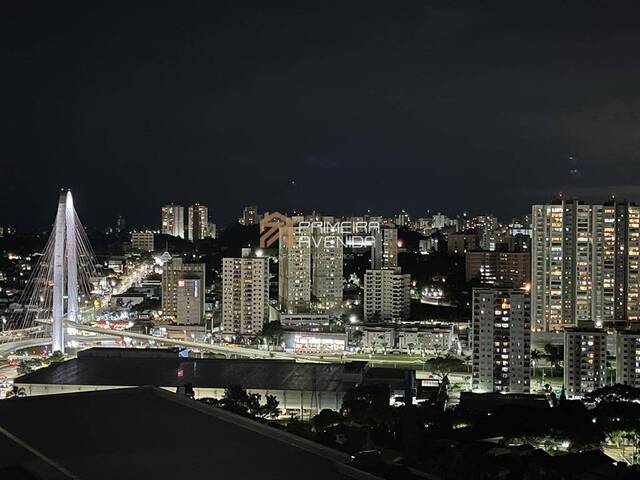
pixel 179 279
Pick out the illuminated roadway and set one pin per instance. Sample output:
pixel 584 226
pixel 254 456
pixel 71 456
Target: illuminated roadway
pixel 109 333
pixel 222 349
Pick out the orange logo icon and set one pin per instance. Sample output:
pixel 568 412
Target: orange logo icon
pixel 274 226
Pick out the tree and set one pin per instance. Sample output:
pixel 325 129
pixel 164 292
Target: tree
pixel 325 419
pixel 271 407
pixel 238 400
pixel 535 358
pixel 614 393
pixel 444 365
pixel 27 366
pixel 56 356
pixel 555 353
pixel 272 332
pixel 356 336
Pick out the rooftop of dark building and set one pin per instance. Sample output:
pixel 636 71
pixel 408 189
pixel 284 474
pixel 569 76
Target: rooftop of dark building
pixel 159 367
pixel 150 433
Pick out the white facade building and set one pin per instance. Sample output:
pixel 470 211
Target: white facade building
pixel 501 340
pixel 245 294
pixel 386 295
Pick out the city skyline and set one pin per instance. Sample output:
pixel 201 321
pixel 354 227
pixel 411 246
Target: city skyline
pixel 297 103
pixel 320 240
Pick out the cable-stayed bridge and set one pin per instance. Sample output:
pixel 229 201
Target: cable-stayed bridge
pixel 61 292
pixel 62 285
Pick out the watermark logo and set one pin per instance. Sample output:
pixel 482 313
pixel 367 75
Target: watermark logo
pixel 356 234
pixel 275 226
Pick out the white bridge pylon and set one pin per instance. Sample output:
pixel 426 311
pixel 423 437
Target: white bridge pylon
pixel 65 270
pixel 62 283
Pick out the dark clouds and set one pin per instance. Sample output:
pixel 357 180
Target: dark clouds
pixel 365 105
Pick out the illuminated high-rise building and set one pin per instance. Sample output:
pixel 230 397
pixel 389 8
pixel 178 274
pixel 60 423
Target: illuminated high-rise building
pixel 179 281
pixel 245 294
pixel 386 295
pixel 504 269
pixel 486 225
pixel 198 222
pixel 173 220
pixel 403 219
pixel 585 359
pixel 189 301
pixel 620 262
pixel 563 267
pixel 250 216
pixel 628 357
pixel 294 271
pixel 384 252
pixel 327 265
pixel 585 264
pixel 501 336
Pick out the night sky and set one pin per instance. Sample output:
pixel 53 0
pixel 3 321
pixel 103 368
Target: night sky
pixel 339 106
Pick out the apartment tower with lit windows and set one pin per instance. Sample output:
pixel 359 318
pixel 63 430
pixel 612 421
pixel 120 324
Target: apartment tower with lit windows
pixel 585 262
pixel 501 340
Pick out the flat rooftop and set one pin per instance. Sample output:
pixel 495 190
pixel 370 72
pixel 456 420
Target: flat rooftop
pixel 128 368
pixel 150 433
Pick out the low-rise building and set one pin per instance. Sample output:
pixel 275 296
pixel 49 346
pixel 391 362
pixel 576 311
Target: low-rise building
pixel 315 342
pixel 301 388
pixel 305 321
pixel 125 433
pixel 434 339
